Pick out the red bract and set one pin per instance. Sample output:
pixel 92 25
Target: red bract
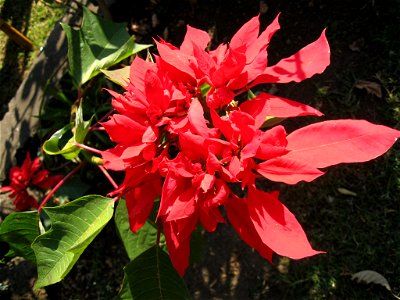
pixel 184 135
pixel 29 174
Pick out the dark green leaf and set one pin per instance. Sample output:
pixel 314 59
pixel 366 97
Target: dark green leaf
pixel 98 45
pixel 142 240
pixel 152 276
pixel 19 230
pixel 196 245
pixel 74 226
pixel 73 188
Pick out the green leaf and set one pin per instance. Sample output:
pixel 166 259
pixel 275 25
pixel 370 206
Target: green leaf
pixel 142 240
pixel 196 245
pixel 73 188
pixel 204 89
pixel 272 121
pixel 81 126
pixel 152 276
pixel 74 226
pixel 119 76
pixel 69 150
pixel 19 230
pixel 98 45
pixel 250 95
pixel 52 147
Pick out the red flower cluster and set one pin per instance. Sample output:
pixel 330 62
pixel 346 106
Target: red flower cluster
pixel 183 133
pixel 29 174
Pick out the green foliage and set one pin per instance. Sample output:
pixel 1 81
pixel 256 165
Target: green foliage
pixel 19 230
pixel 69 150
pixel 119 76
pixel 97 45
pixel 74 226
pixel 142 240
pixel 152 276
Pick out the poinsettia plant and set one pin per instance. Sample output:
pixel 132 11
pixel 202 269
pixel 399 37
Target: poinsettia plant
pixel 193 140
pixel 31 174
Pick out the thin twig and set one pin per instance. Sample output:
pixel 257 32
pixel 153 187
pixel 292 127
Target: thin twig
pixel 90 149
pixel 108 176
pixel 58 185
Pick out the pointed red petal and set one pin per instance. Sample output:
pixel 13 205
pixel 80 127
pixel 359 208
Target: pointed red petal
pixel 223 124
pixel 177 198
pixel 48 182
pixel 6 189
pixel 196 118
pixel 246 35
pixel 194 36
pixel 277 226
pixel 192 146
pixel 139 201
pixel 155 91
pixel 273 143
pixel 183 206
pixel 177 61
pixel 258 48
pixel 312 59
pixel 205 63
pixel 258 108
pixel 238 215
pixel 286 170
pixel 119 125
pixel 138 69
pixel 285 108
pixel 177 235
pixel 210 217
pixel 340 141
pixel 230 67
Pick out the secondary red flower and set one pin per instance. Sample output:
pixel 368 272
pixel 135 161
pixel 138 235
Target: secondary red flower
pixel 31 173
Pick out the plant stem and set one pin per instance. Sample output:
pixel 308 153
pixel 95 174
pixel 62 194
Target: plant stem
pixel 90 149
pixel 110 179
pixel 101 120
pixel 159 227
pixel 62 181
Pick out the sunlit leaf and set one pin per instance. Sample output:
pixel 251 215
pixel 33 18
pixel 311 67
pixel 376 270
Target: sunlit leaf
pixel 119 76
pixel 69 150
pixel 97 45
pixel 74 226
pixel 52 145
pixel 19 230
pixel 81 126
pixel 152 276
